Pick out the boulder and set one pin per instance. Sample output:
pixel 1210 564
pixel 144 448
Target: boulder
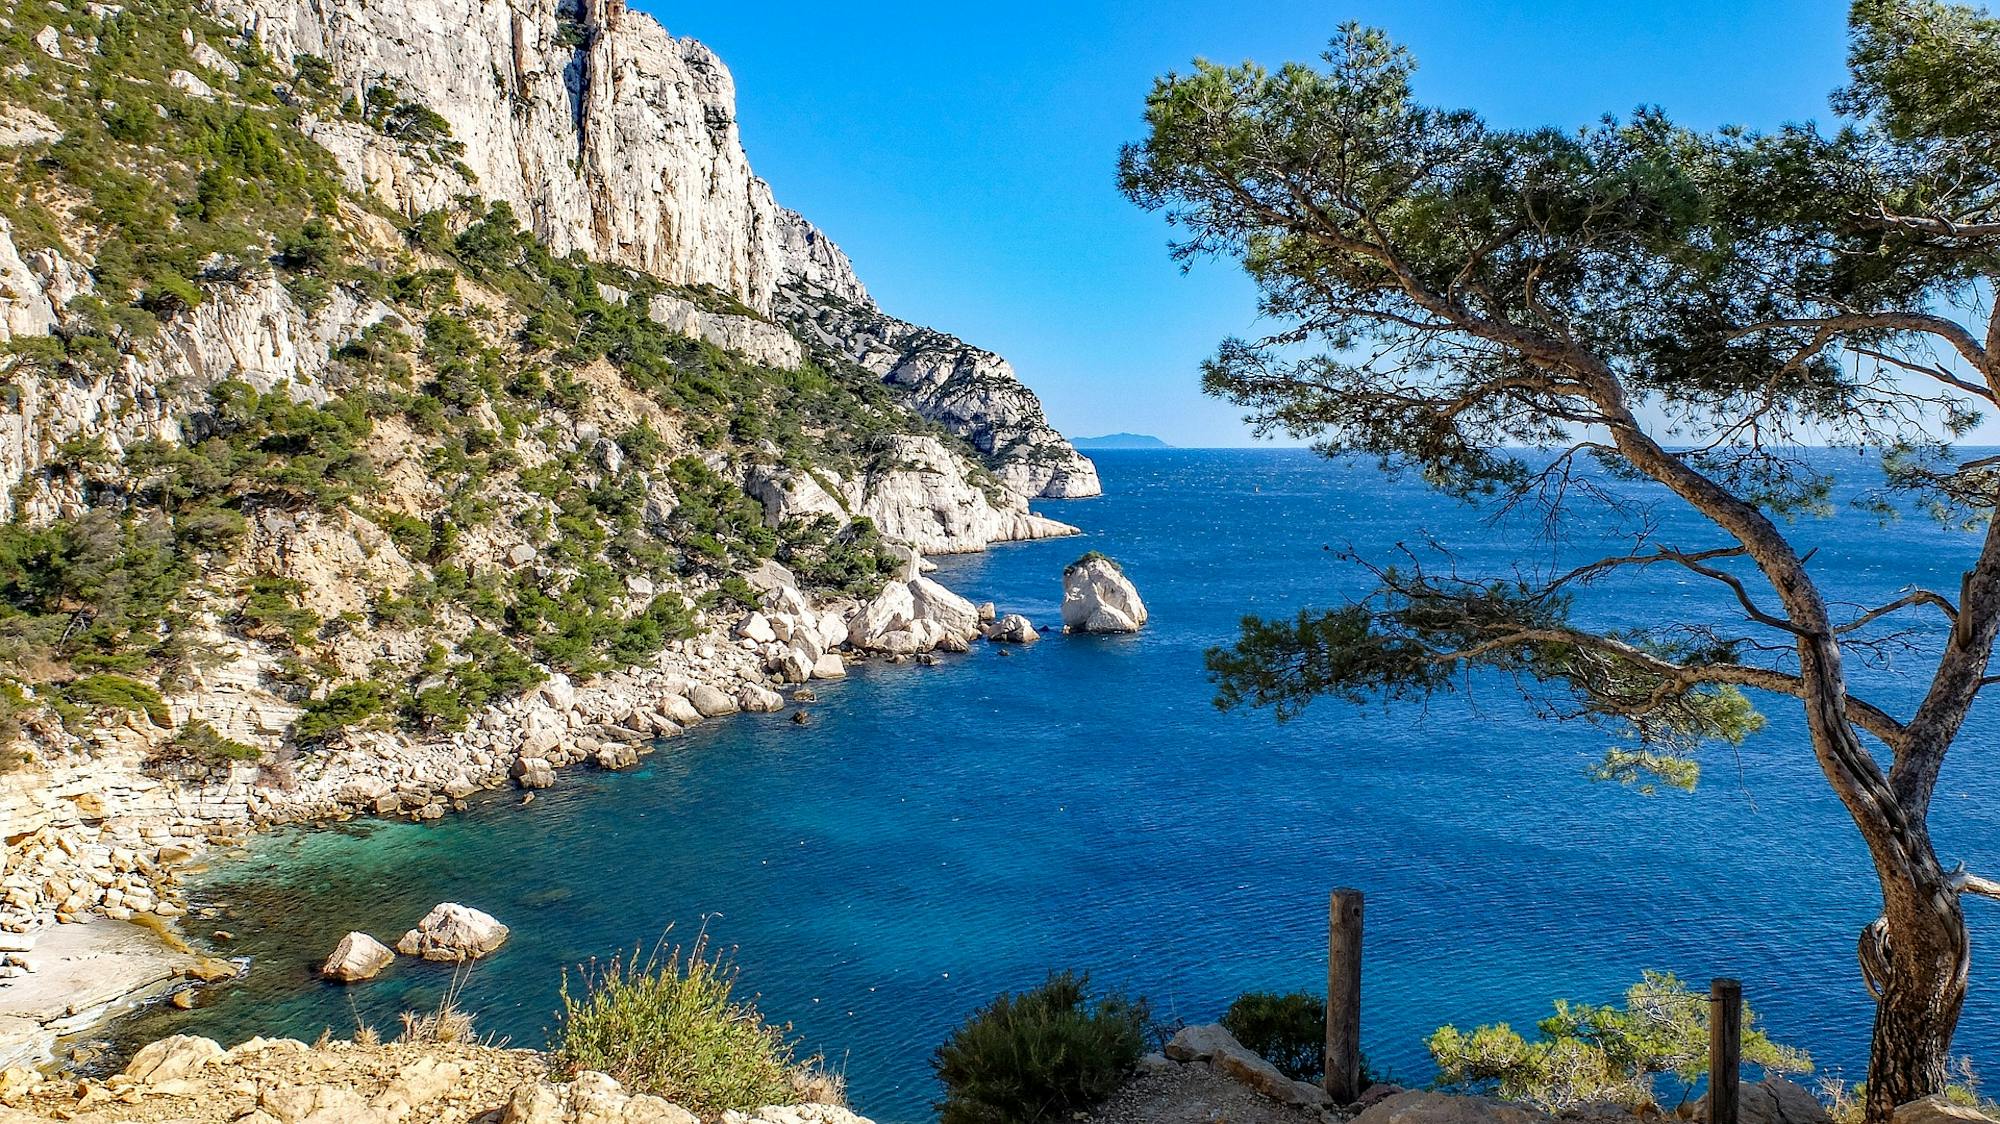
pixel 592 1098
pixel 171 1059
pixel 1934 1109
pixel 1775 1100
pixel 795 666
pixel 533 772
pixel 892 611
pixel 933 602
pixel 358 956
pixel 711 702
pixel 619 756
pixel 1098 597
pixel 678 709
pixel 1419 1107
pixel 1012 629
pixel 453 932
pixel 759 700
pixel 830 666
pixel 757 627
pixel 1219 1048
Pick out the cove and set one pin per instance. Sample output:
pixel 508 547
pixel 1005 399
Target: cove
pixel 936 835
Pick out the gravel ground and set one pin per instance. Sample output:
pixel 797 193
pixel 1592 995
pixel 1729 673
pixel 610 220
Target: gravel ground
pixel 1194 1094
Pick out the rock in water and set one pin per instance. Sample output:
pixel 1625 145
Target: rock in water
pixel 533 772
pixel 711 702
pixel 451 931
pixel 1012 629
pixel 358 956
pixel 1098 597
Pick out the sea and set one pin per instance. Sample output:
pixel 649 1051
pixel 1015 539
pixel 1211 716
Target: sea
pixel 935 835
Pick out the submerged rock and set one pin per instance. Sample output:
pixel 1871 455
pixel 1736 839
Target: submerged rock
pixel 1098 597
pixel 451 931
pixel 358 956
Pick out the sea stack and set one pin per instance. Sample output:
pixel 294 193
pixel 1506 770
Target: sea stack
pixel 1098 597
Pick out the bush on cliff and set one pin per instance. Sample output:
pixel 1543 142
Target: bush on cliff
pixel 1289 1031
pixel 1592 1054
pixel 1045 1054
pixel 668 1026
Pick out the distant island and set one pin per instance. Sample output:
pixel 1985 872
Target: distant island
pixel 1121 441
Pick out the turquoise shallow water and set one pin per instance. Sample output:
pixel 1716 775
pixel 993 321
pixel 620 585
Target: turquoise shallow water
pixel 937 835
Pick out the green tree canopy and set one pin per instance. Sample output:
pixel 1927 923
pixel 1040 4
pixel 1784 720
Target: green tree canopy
pixel 1675 309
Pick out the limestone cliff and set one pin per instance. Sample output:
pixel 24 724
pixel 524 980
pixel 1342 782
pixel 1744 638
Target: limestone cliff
pixel 969 391
pixel 612 138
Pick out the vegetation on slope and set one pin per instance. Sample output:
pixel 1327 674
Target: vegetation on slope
pixel 487 365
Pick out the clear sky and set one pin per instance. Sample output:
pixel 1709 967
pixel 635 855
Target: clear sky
pixel 963 153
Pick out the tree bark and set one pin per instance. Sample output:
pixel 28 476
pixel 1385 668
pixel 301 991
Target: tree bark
pixel 1922 989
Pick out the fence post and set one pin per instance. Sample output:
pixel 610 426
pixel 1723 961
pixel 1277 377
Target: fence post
pixel 1725 1049
pixel 1343 997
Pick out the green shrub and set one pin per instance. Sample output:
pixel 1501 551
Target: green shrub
pixel 1092 556
pixel 349 704
pixel 1289 1031
pixel 199 741
pixel 1044 1054
pixel 120 693
pixel 1589 1053
pixel 669 1027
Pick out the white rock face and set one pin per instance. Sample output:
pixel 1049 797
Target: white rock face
pixel 453 932
pixel 609 136
pixel 606 134
pixel 1098 597
pixel 755 339
pixel 358 956
pixel 968 390
pixel 911 617
pixel 922 499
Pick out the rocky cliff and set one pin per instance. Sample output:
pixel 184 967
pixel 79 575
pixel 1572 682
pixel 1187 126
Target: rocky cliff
pixel 405 397
pixel 614 139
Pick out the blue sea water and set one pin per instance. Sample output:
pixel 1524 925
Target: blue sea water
pixel 937 835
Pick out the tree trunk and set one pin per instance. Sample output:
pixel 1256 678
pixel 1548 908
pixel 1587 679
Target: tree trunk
pixel 1922 991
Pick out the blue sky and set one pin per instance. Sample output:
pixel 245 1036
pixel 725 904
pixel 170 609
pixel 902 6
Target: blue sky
pixel 963 154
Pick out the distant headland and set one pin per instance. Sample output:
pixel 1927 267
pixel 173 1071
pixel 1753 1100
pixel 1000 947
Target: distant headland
pixel 1121 441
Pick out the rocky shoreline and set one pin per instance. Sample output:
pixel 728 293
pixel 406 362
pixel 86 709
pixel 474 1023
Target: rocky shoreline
pixel 108 838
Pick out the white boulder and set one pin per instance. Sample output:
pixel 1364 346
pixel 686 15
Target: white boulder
pixel 1098 597
pixel 451 931
pixel 1012 629
pixel 171 1059
pixel 358 956
pixel 892 611
pixel 711 702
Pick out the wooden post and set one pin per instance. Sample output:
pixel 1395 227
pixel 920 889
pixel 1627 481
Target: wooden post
pixel 1343 997
pixel 1725 1049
